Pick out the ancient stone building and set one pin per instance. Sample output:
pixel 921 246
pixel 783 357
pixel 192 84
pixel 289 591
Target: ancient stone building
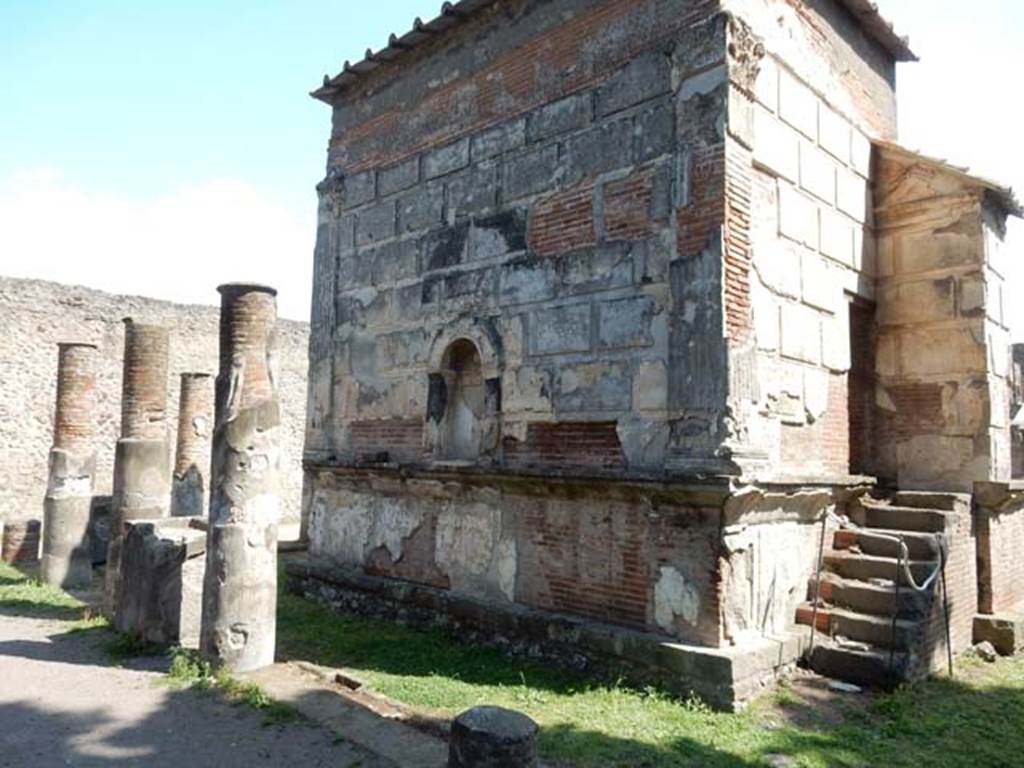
pixel 35 316
pixel 620 308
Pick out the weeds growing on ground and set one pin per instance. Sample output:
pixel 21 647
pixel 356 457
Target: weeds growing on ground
pixel 189 670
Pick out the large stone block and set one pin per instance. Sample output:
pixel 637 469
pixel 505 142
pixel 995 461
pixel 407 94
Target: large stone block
pixel 398 177
pixel 817 173
pixel 498 235
pixel 447 159
pixel 798 105
pixel 852 195
pixel 625 322
pixel 801 333
pixel 421 208
pixel 561 329
pixel 498 140
pixel 532 173
pixel 643 78
pixel 568 114
pixel 474 190
pixel 819 283
pixel 360 188
pixel 162 568
pixel 655 131
pixel 602 386
pixel 798 216
pixel 603 148
pixel 776 145
pixel 834 134
pixel 376 223
pixel 778 264
pixel 837 237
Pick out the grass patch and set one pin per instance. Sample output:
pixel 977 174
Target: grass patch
pixel 23 595
pixel 971 721
pixel 189 670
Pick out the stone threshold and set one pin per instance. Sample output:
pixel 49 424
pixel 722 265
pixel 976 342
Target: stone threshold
pixel 725 678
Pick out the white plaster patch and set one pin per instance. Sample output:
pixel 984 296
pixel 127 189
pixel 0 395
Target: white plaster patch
pixel 674 597
pixel 393 523
pixel 465 539
pixel 507 565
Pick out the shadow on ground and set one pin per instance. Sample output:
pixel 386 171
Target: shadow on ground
pixel 99 712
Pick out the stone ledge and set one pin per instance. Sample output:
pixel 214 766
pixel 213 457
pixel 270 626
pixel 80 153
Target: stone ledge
pixel 1004 630
pixel 726 678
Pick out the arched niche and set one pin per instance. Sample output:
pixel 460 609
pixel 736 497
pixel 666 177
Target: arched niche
pixel 464 402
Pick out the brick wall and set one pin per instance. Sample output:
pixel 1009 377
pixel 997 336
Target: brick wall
pixel 1000 536
pixel 37 315
pixel 568 444
pixel 961 579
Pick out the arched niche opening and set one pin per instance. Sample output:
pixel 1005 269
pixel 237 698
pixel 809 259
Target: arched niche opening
pixel 463 404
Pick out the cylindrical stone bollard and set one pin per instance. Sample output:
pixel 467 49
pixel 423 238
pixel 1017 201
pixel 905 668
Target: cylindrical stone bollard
pixel 67 556
pixel 192 457
pixel 492 737
pixel 240 589
pixel 142 463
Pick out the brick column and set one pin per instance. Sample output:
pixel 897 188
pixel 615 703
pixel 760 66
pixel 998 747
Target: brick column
pixel 142 466
pixel 67 561
pixel 240 590
pixel 192 458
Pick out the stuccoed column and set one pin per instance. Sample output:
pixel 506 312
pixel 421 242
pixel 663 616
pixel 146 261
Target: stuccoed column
pixel 240 588
pixel 192 457
pixel 142 463
pixel 67 558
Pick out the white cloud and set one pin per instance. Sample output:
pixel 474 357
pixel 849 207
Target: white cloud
pixel 177 247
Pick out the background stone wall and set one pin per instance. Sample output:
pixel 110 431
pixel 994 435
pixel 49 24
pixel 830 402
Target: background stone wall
pixel 36 315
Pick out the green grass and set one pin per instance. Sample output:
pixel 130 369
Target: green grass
pixel 971 721
pixel 23 595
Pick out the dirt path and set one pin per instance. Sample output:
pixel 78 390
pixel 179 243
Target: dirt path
pixel 63 702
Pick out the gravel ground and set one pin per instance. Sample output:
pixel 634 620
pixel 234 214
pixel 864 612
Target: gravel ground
pixel 64 702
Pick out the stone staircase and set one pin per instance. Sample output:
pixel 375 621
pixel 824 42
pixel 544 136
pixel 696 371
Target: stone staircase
pixel 856 639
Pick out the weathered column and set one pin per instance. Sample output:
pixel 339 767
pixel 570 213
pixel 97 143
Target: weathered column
pixel 67 559
pixel 142 465
pixel 240 588
pixel 192 458
pixel 492 737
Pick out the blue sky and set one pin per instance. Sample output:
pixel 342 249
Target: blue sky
pixel 161 148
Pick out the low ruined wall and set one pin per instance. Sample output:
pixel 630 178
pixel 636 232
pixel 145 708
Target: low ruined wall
pixel 1000 541
pixel 35 315
pixel 632 556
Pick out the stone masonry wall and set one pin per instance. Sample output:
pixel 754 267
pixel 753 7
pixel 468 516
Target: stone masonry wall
pixel 527 205
pixel 943 400
pixel 802 167
pixel 36 315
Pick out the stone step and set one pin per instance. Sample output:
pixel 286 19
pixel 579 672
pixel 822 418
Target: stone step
pixel 872 630
pixel 872 599
pixel 852 565
pixel 867 667
pixel 944 502
pixel 891 517
pixel 872 541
